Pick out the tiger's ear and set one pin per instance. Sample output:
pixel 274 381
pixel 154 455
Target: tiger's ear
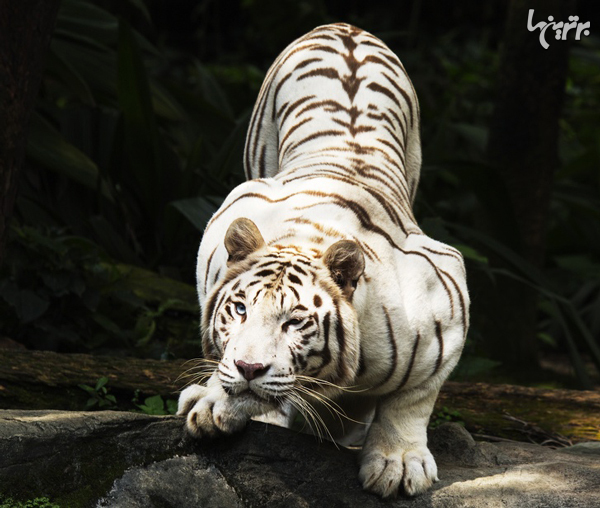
pixel 346 262
pixel 242 239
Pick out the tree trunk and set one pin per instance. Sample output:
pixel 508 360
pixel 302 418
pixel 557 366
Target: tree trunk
pixel 25 30
pixel 523 142
pixel 47 380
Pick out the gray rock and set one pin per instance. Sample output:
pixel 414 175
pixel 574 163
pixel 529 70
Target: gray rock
pixel 167 483
pixel 132 460
pixel 587 448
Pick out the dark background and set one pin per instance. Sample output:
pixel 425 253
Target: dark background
pixel 137 132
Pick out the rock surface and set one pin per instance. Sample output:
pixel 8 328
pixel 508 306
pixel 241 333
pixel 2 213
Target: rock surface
pixel 113 459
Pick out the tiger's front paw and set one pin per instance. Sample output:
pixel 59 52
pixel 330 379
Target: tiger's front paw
pixel 413 470
pixel 209 412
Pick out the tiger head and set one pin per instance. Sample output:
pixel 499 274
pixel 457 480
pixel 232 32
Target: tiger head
pixel 281 321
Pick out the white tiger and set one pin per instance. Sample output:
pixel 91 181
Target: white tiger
pixel 315 282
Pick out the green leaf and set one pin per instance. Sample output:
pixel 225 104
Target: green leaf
pixel 473 365
pixel 198 210
pixel 101 382
pixel 78 39
pixel 580 264
pixel 27 304
pixel 49 149
pixel 166 105
pixel 208 121
pixel 155 402
pixel 229 158
pixel 153 405
pixel 140 6
pixel 487 184
pixel 144 330
pixel 584 332
pixel 172 406
pixel 475 135
pixel 547 339
pixel 108 324
pixel 196 156
pixel 61 283
pixel 523 267
pixel 471 253
pixel 574 354
pixel 88 389
pixel 111 240
pixel 212 92
pixel 96 66
pixel 91 403
pixel 69 76
pixel 81 17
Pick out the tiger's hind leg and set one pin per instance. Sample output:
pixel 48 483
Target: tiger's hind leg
pixel 395 455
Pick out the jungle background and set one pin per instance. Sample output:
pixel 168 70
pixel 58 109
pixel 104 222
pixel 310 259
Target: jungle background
pixel 136 135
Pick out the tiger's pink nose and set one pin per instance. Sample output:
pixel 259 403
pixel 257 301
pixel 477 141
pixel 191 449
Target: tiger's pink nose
pixel 251 370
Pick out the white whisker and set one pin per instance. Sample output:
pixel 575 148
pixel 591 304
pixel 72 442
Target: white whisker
pixel 311 417
pixel 198 373
pixel 323 382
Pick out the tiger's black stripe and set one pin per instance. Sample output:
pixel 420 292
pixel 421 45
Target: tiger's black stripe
pixel 440 339
pixel 394 348
pixel 411 362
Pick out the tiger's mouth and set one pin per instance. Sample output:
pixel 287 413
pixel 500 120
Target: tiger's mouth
pixel 249 395
pixel 256 404
pixel 252 395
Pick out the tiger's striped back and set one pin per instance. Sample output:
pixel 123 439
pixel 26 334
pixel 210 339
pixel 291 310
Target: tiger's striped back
pixel 338 103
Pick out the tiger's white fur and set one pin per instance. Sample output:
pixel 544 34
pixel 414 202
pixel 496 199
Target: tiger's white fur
pixel 314 275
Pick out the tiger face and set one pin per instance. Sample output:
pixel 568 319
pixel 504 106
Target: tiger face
pixel 281 322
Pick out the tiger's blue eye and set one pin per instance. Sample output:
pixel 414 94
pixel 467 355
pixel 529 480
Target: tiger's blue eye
pixel 240 308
